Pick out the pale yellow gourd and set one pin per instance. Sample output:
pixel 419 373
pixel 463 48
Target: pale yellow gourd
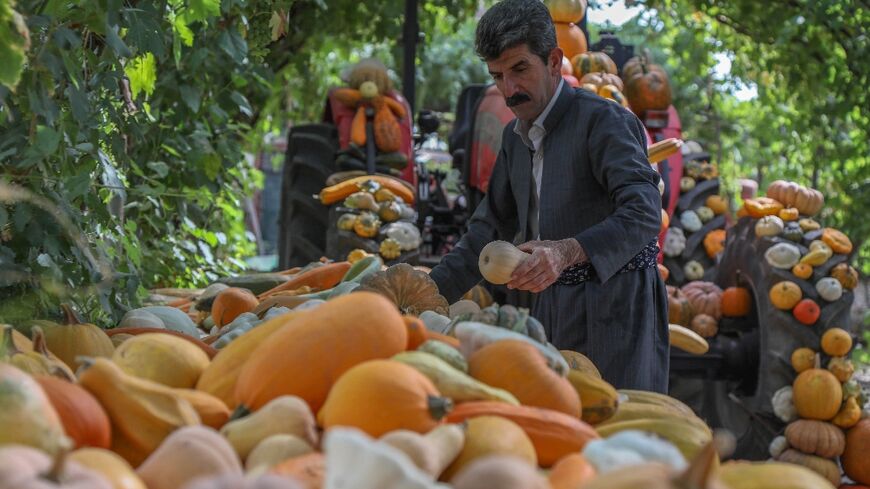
pixel 110 465
pixel 432 452
pixel 452 383
pixel 274 450
pixel 284 414
pixel 498 260
pixel 162 358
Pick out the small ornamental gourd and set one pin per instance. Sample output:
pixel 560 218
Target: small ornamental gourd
pixel 362 201
pixel 846 275
pixel 714 242
pixel 705 298
pixel 837 240
pixel 736 302
pixel 802 359
pixel 818 254
pixel 789 214
pixel 829 289
pixel 769 226
pixel 807 312
pixel 389 211
pixel 705 325
pixel 690 221
pixel 717 204
pixel 366 225
pixel 849 415
pixel 793 232
pixel 783 404
pixel 675 242
pixel 693 270
pixel 406 234
pixel 842 368
pixel 704 213
pixel 390 249
pixel 782 255
pixel 836 342
pixel 802 271
pixel 346 221
pixel 686 184
pixel 808 224
pixel 762 206
pixel 679 309
pixel 498 260
pixel 785 295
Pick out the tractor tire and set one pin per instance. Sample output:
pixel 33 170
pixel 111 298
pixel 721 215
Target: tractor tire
pixel 309 161
pixel 694 250
pixel 743 406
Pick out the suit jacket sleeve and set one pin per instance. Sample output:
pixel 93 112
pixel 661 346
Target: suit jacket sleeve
pixel 495 218
pixel 617 154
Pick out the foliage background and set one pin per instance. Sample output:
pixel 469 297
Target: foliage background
pixel 152 184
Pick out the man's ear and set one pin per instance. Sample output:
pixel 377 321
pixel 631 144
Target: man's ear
pixel 555 60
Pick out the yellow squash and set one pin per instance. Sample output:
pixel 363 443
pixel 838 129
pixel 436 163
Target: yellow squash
pixel 598 398
pixel 143 413
pixel 451 382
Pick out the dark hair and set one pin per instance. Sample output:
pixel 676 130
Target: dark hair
pixel 510 23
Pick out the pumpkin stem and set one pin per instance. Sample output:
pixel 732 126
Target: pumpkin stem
pixel 37 336
pixel 9 341
pixel 61 374
pixel 439 406
pixel 69 314
pixel 59 462
pixel 240 412
pixel 817 362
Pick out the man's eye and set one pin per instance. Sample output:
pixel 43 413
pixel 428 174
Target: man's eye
pixel 496 77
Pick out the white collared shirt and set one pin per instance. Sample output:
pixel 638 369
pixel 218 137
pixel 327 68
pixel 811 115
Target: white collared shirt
pixel 534 138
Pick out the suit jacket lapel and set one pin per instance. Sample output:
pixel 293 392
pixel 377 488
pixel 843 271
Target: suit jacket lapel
pixel 563 103
pixel 552 162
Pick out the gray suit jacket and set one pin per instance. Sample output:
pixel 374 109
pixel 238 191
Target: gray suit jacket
pixel 598 187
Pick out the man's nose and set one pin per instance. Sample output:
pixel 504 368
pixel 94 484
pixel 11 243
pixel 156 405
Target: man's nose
pixel 510 86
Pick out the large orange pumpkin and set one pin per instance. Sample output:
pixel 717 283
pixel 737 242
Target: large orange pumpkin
pixel 306 356
pixel 553 434
pixel 736 302
pixel 74 338
pixel 84 419
pixel 817 394
pixel 570 38
pixel 855 460
pixel 519 368
pixel 647 89
pixel 380 396
pixel 231 302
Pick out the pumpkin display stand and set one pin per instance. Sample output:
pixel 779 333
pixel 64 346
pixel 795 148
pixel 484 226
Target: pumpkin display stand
pixel 750 357
pixel 340 242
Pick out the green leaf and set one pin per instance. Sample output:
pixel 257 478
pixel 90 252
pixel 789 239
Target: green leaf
pixel 211 164
pixel 47 140
pixel 182 31
pixel 77 185
pixel 203 9
pixel 244 105
pixel 14 42
pixel 22 216
pixel 142 72
pixel 116 43
pixel 191 97
pixel 159 168
pixel 233 44
pixel 278 24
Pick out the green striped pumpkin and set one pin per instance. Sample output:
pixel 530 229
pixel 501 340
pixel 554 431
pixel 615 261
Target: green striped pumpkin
pixel 592 62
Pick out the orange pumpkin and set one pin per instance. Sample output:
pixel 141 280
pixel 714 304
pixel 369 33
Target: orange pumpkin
pixel 571 472
pixel 84 419
pixel 807 312
pixel 306 356
pixel 553 434
pixel 803 359
pixel 836 342
pixel 231 302
pixel 714 242
pixel 802 270
pixel 808 201
pixel 762 206
pixel 789 214
pixel 785 295
pixel 846 275
pixel 837 240
pixel 736 302
pixel 380 396
pixel 519 368
pixel 570 38
pixel 666 221
pixel 854 459
pixel 592 62
pixel 717 204
pixel 648 89
pixel 417 333
pixel 663 271
pixel 817 394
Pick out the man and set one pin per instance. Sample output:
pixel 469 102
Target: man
pixel 572 184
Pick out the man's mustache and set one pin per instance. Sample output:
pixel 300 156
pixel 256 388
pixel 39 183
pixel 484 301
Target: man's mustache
pixel 517 99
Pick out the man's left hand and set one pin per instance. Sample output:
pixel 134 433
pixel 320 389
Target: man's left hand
pixel 547 260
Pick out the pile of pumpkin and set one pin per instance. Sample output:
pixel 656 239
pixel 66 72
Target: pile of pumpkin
pixel 819 407
pixel 352 391
pixel 379 209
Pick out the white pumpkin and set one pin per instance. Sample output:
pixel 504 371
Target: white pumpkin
pixel 769 226
pixel 777 446
pixel 690 221
pixel 783 256
pixel 675 242
pixel 783 404
pixel 406 234
pixel 686 184
pixel 830 289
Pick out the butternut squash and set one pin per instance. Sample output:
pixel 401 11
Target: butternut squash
pixel 189 453
pixel 110 465
pixel 431 452
pixel 687 434
pixel 219 378
pixel 211 410
pixel 452 383
pixel 273 450
pixel 284 414
pixel 162 358
pixel 341 191
pixel 143 413
pixel 36 360
pixel 445 352
pixel 598 399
